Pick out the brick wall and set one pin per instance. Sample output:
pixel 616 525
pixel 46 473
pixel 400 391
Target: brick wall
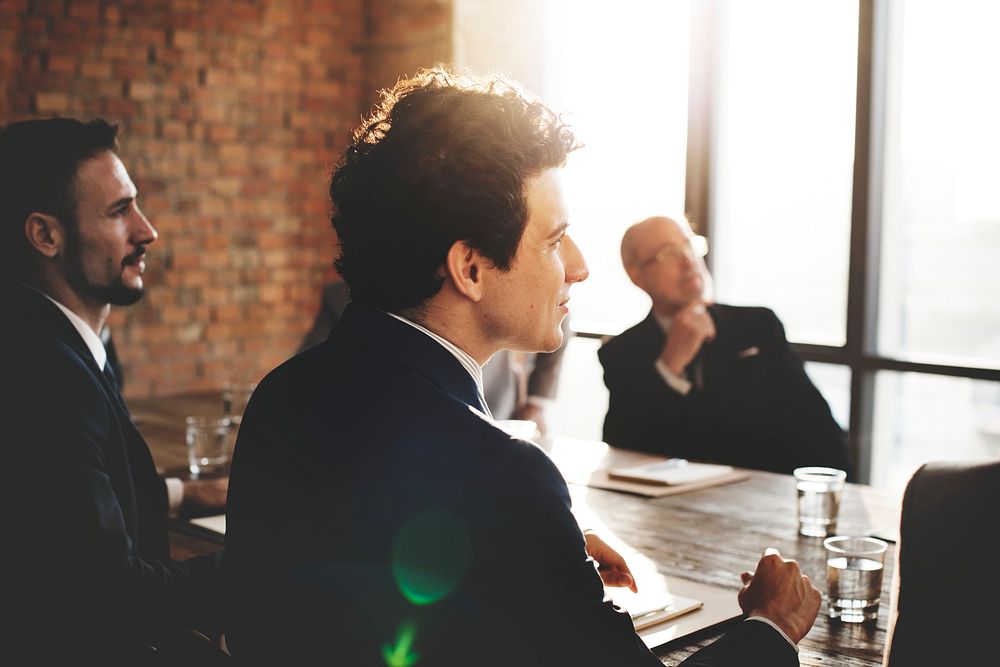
pixel 232 113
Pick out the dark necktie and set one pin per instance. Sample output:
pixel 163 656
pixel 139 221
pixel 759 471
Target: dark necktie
pixel 116 389
pixel 109 373
pixel 693 372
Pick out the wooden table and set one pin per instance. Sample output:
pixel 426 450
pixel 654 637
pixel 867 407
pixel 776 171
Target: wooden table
pixel 708 536
pixel 161 422
pixel 712 535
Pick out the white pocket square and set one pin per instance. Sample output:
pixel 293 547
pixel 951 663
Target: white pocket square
pixel 749 352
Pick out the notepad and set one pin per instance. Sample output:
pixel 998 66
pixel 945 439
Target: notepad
pixel 672 472
pixel 215 523
pixel 647 610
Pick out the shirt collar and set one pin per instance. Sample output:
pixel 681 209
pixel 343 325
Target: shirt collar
pixel 91 339
pixel 663 321
pixel 463 357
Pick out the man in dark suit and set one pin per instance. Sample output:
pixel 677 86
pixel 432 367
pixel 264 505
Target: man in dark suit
pixel 377 515
pixel 516 385
pixel 946 588
pixel 707 381
pixel 90 577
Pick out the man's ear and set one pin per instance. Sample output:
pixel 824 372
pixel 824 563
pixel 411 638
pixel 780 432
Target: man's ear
pixel 45 234
pixel 635 275
pixel 465 267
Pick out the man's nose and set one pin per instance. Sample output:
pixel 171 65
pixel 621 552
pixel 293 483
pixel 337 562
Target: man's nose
pixel 143 230
pixel 576 265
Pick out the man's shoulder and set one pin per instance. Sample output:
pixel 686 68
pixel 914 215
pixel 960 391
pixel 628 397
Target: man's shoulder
pixel 624 344
pixel 39 352
pixel 743 312
pixel 748 318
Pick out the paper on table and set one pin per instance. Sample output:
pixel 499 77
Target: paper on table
pixel 647 608
pixel 671 472
pixel 215 523
pixel 588 462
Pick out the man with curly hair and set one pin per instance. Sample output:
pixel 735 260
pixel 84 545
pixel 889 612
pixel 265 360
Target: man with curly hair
pixel 406 527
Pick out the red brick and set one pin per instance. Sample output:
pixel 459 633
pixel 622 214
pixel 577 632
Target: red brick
pixel 112 15
pixel 62 64
pixel 13 5
pixel 84 11
pixel 141 90
pixel 233 113
pixel 51 102
pixel 222 133
pixel 184 39
pixel 96 70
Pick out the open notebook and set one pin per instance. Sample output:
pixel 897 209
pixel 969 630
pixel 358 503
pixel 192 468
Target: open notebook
pixel 647 608
pixel 667 607
pixel 663 613
pixel 670 472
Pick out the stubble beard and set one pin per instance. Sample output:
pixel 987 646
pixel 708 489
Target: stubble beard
pixel 116 293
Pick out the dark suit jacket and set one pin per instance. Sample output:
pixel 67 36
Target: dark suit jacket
pixel 757 408
pixel 501 381
pixel 91 572
pixel 373 506
pixel 948 590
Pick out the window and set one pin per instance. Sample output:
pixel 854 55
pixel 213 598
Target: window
pixel 783 162
pixel 921 417
pixel 940 291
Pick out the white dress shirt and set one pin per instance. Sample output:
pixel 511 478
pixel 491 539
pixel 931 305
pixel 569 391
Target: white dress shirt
pixel 463 357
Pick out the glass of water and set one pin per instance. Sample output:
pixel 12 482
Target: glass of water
pixel 854 577
pixel 819 491
pixel 208 445
pixel 235 397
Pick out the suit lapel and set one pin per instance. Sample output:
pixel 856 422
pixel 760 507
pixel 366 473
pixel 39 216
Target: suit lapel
pixel 650 337
pixel 385 336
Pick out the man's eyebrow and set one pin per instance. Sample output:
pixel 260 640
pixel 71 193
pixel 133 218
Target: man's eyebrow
pixel 558 231
pixel 119 203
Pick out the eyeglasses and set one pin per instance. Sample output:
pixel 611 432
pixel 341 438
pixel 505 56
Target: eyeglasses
pixel 696 247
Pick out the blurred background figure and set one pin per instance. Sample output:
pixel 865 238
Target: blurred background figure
pixel 707 381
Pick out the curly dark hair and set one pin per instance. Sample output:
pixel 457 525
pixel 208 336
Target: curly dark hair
pixel 444 158
pixel 39 160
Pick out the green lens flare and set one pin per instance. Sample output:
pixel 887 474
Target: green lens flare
pixel 400 654
pixel 430 555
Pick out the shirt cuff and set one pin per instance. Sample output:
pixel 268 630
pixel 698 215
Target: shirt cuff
pixel 175 495
pixel 780 631
pixel 676 382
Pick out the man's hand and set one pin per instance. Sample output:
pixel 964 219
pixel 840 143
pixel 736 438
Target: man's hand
pixel 610 564
pixel 205 496
pixel 779 592
pixel 531 413
pixel 690 328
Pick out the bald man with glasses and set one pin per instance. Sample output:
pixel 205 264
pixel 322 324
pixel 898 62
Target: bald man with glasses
pixel 707 381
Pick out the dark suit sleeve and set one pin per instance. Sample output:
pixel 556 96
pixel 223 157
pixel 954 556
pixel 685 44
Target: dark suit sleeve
pixel 543 586
pixel 551 589
pixel 81 556
pixel 644 412
pixel 747 644
pixel 803 408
